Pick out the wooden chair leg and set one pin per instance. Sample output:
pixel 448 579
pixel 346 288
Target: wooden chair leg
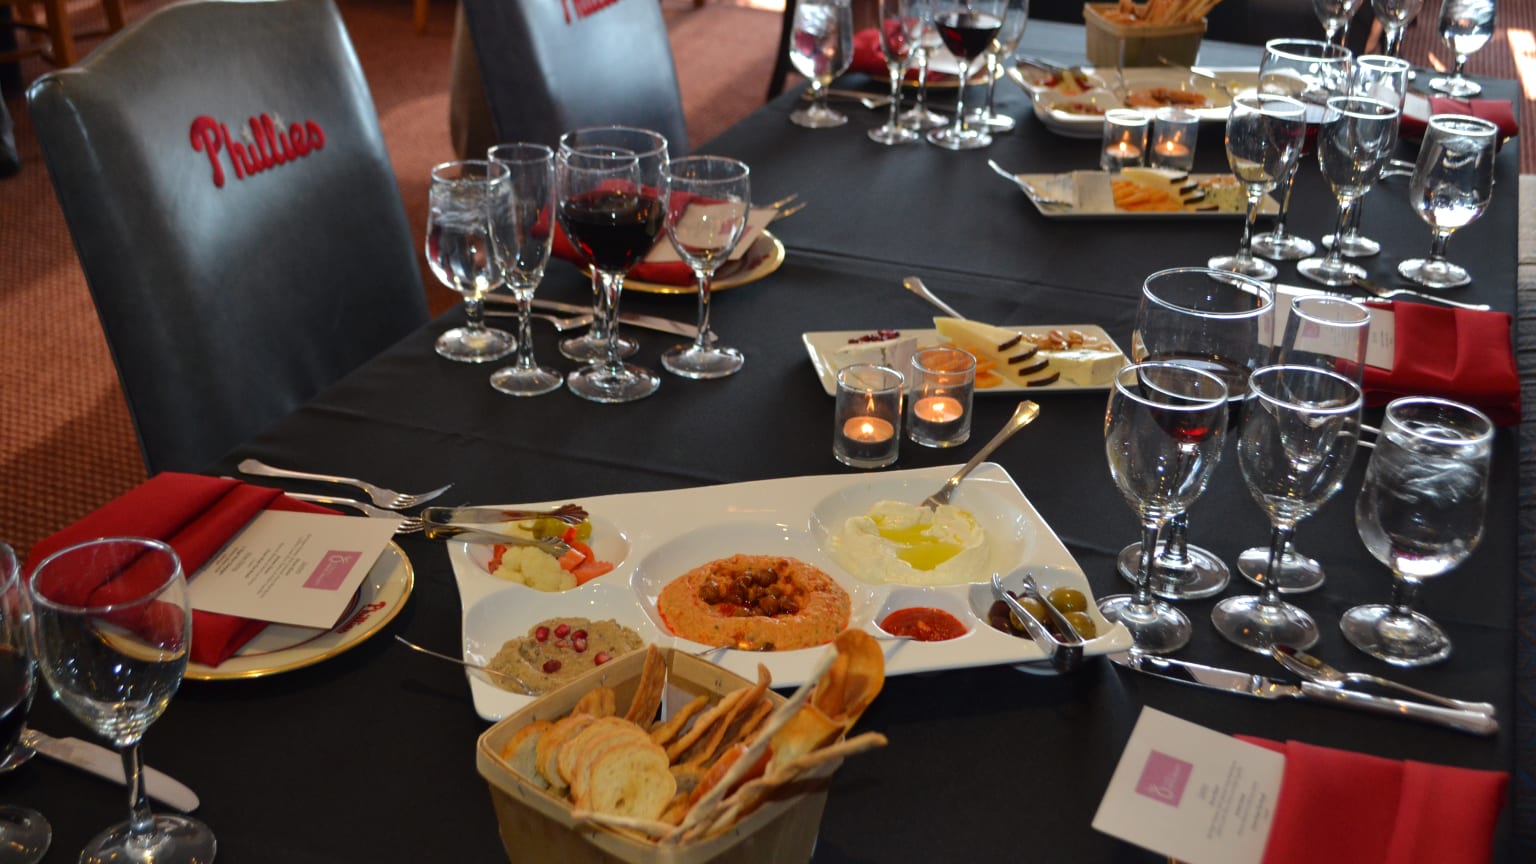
pixel 59 33
pixel 419 14
pixel 780 72
pixel 115 18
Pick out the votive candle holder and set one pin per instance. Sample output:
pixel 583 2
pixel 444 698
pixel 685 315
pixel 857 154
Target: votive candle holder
pixel 943 382
pixel 1125 139
pixel 1174 133
pixel 866 425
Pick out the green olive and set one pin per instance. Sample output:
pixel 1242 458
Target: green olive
pixel 1082 624
pixel 1069 600
pixel 1033 607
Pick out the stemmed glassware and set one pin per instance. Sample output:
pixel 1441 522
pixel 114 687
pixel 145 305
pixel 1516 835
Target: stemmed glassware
pixel 1163 433
pixel 1264 141
pixel 1466 26
pixel 1324 332
pixel 707 199
pixel 1311 72
pixel 608 184
pixel 1451 186
pixel 460 253
pixel 24 833
pixel 1334 16
pixel 821 48
pixel 900 29
pixel 1015 19
pixel 1420 512
pixel 112 629
pixel 1299 432
pixel 919 117
pixel 1395 16
pixel 967 32
pixel 1352 146
pixel 1377 76
pixel 522 223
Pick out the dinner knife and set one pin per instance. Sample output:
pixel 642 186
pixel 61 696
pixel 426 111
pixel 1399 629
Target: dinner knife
pixel 633 319
pixel 103 762
pixel 1264 687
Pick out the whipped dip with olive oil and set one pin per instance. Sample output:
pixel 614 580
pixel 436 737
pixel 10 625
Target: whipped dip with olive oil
pixel 907 544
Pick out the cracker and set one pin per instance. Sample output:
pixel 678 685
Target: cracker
pixel 703 725
pixel 653 683
pixel 599 702
pixel 702 753
pixel 664 732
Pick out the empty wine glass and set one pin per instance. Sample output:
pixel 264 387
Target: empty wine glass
pixel 1466 26
pixel 1420 513
pixel 1324 332
pixel 1376 76
pixel 1353 144
pixel 1264 141
pixel 919 116
pixel 1395 15
pixel 707 199
pixel 900 29
pixel 967 32
pixel 112 629
pixel 1299 431
pixel 1015 19
pixel 461 256
pixel 24 833
pixel 1452 183
pixel 522 226
pixel 1163 433
pixel 821 48
pixel 1334 16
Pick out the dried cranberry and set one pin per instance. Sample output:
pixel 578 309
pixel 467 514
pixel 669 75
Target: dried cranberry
pixel 562 629
pixel 551 667
pixel 541 634
pixel 601 658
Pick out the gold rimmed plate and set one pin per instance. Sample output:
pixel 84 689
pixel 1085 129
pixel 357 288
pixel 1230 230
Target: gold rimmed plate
pixel 764 257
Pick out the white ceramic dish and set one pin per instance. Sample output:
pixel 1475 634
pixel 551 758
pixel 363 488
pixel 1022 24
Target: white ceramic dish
pixel 1105 93
pixel 1089 195
pixel 674 531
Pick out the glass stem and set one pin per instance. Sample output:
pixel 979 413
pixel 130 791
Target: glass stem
pixel 1437 245
pixel 1353 228
pixel 1149 530
pixel 141 820
pixel 895 72
pixel 1335 258
pixel 613 284
pixel 1394 39
pixel 965 72
pixel 1176 547
pixel 1245 246
pixel 1279 539
pixel 1287 184
pixel 1403 594
pixel 472 314
pixel 524 330
pixel 922 87
pixel 992 67
pixel 705 278
pixel 819 97
pixel 598 329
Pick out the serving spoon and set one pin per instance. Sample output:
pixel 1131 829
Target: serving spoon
pixel 916 286
pixel 1315 670
pixel 494 673
pixel 1022 416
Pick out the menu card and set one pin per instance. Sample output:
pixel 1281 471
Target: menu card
pixel 757 220
pixel 292 568
pixel 1192 793
pixel 1381 342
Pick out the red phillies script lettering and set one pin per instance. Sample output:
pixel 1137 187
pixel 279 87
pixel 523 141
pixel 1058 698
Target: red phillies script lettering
pixel 584 7
pixel 362 615
pixel 264 145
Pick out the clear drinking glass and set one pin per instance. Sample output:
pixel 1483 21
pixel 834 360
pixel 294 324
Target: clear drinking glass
pixel 1395 16
pixel 24 833
pixel 707 200
pixel 900 29
pixel 1299 431
pixel 460 253
pixel 967 32
pixel 522 223
pixel 1420 512
pixel 1466 26
pixel 1015 19
pixel 112 630
pixel 1451 186
pixel 1324 332
pixel 1355 140
pixel 1264 142
pixel 821 48
pixel 1163 433
pixel 1334 16
pixel 1311 72
pixel 1377 76
pixel 919 117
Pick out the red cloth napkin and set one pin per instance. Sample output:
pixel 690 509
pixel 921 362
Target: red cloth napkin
pixel 1336 805
pixel 196 515
pixel 1459 354
pixel 1500 112
pixel 869 58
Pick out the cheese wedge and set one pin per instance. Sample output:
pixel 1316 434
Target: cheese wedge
pixel 1086 367
pixel 895 353
pixel 1015 358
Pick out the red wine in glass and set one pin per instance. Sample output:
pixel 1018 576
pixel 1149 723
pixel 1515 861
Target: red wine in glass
pixel 968 34
pixel 612 228
pixel 1189 429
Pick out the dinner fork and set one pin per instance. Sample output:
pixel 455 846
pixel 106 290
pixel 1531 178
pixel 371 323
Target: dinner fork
pixel 1388 293
pixel 403 525
pixel 386 498
pixel 1022 416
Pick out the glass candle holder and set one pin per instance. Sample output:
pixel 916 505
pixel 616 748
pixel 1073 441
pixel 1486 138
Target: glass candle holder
pixel 1174 131
pixel 942 382
pixel 1125 139
pixel 866 424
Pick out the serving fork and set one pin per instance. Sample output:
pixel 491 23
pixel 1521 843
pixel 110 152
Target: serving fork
pixel 382 497
pixel 1386 293
pixel 1023 415
pixel 570 514
pixel 403 524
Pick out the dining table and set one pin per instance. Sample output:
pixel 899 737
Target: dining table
pixel 369 756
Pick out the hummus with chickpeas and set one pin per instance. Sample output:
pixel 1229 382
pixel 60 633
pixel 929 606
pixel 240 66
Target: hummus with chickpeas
pixel 755 603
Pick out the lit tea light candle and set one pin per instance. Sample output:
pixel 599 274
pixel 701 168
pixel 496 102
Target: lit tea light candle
pixel 1173 139
pixel 868 430
pixel 937 419
pixel 938 409
pixel 1125 139
pixel 1172 149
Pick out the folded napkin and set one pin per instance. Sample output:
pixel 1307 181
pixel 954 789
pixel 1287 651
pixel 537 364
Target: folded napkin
pixel 1460 354
pixel 1336 805
pixel 869 58
pixel 196 515
pixel 1416 114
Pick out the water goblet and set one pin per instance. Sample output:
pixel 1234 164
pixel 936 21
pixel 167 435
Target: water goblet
pixel 1335 15
pixel 1015 19
pixel 1466 26
pixel 460 253
pixel 1420 512
pixel 112 630
pixel 1298 436
pixel 1163 432
pixel 821 48
pixel 522 221
pixel 919 117
pixel 707 199
pixel 1385 78
pixel 24 833
pixel 1451 186
pixel 900 29
pixel 1352 146
pixel 1395 15
pixel 967 32
pixel 1264 141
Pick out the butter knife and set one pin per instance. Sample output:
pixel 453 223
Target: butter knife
pixel 632 319
pixel 1264 687
pixel 107 763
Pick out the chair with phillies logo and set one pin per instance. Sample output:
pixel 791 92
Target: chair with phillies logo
pixel 223 175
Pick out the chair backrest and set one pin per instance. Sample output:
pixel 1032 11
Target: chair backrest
pixel 549 66
pixel 223 175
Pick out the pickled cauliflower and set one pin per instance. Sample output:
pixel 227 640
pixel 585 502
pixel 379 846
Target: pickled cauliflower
pixel 534 568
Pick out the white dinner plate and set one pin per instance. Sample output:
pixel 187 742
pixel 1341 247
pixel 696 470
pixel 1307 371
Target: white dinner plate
pixel 1090 195
pixel 674 531
pixel 1052 104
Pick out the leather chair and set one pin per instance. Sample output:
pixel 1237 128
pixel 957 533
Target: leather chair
pixel 548 67
pixel 223 175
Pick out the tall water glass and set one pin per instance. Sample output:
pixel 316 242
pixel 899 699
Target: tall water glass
pixel 1376 76
pixel 919 117
pixel 522 226
pixel 821 48
pixel 707 199
pixel 967 31
pixel 1299 431
pixel 1466 26
pixel 113 628
pixel 1420 513
pixel 1264 142
pixel 1395 15
pixel 460 253
pixel 1352 146
pixel 1451 186
pixel 1015 19
pixel 1334 15
pixel 900 28
pixel 1163 432
pixel 24 833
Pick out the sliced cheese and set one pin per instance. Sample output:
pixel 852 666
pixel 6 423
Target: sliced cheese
pixel 1086 367
pixel 1014 357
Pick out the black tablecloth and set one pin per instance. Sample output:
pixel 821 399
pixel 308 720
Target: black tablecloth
pixel 369 756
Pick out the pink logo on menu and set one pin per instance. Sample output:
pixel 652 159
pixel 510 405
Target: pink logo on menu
pixel 1164 778
pixel 332 570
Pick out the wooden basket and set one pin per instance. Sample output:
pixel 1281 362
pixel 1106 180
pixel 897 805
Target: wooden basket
pixel 1144 44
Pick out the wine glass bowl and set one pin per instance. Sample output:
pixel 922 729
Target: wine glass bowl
pixel 1264 141
pixel 522 230
pixel 967 31
pixel 1335 15
pixel 1015 19
pixel 900 28
pixel 1466 26
pixel 1385 78
pixel 821 48
pixel 24 834
pixel 1451 186
pixel 1394 15
pixel 460 253
pixel 707 202
pixel 1353 144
